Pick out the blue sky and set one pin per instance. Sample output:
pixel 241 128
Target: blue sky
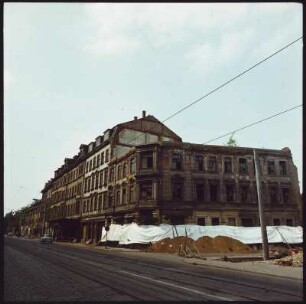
pixel 72 70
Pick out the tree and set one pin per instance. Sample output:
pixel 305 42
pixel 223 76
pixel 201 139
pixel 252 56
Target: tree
pixel 232 142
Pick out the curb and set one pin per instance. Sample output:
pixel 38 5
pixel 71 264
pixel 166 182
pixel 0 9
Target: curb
pixel 243 270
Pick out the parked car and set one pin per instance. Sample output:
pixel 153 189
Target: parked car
pixel 46 239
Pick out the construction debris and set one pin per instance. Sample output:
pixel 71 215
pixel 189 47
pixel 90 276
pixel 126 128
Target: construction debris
pixel 294 259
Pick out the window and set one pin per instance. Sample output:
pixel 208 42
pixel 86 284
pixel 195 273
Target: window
pixel 247 222
pixel 271 167
pixel 98 160
pixel 133 166
pixel 147 160
pixel 97 181
pixel 201 221
pixel 286 197
pixel 231 221
pixel 102 158
pixel 176 161
pixel 94 162
pixel 282 168
pixel 177 190
pixel 276 222
pixel 131 194
pixel 273 195
pixel 199 162
pixel 90 165
pixel 101 179
pixel 104 196
pixel 243 167
pixel 124 171
pixel 244 193
pixel 110 198
pixel 100 202
pixel 111 175
pixel 92 182
pixel 289 222
pixel 212 164
pixel 119 172
pixel 87 166
pixel 227 165
pixel 105 177
pixel 229 189
pixel 106 155
pixel 200 192
pixel 124 195
pixel 215 221
pixel 118 197
pixel 146 191
pixel 213 189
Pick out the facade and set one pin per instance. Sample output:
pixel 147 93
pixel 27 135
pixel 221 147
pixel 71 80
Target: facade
pixel 183 183
pixel 141 171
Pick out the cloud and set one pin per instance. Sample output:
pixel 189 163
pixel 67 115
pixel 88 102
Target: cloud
pixel 118 28
pixel 208 34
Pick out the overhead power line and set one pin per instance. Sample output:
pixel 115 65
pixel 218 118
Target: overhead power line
pixel 232 79
pixel 221 86
pixel 252 124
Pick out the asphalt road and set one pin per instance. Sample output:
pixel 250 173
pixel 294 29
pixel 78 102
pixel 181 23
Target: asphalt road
pixel 55 272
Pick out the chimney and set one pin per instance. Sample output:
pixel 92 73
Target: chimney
pixel 135 117
pixel 143 114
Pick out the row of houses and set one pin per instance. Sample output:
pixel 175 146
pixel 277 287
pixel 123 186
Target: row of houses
pixel 141 171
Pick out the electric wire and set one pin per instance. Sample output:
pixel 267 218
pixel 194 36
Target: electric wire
pixel 252 124
pixel 219 87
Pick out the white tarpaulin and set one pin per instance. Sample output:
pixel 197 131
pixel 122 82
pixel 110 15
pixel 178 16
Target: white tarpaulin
pixel 144 234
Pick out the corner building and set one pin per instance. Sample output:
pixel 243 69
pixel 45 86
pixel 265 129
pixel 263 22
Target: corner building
pixel 142 171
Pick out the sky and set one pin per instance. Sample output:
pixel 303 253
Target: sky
pixel 73 70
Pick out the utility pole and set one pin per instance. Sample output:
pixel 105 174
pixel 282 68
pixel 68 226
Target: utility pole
pixel 264 236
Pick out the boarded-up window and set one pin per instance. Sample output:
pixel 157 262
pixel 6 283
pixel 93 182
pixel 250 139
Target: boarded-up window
pixel 212 164
pixel 231 221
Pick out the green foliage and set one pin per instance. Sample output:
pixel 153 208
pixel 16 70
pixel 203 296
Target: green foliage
pixel 232 142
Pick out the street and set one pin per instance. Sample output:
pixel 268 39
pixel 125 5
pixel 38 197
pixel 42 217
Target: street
pixel 57 272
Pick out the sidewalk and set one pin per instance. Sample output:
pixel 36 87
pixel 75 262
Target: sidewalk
pixel 259 267
pixel 213 260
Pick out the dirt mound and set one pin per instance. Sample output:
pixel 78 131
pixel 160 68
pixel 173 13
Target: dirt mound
pixel 227 244
pixel 204 244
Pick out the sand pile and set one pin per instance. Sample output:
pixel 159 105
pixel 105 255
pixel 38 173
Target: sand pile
pixel 204 244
